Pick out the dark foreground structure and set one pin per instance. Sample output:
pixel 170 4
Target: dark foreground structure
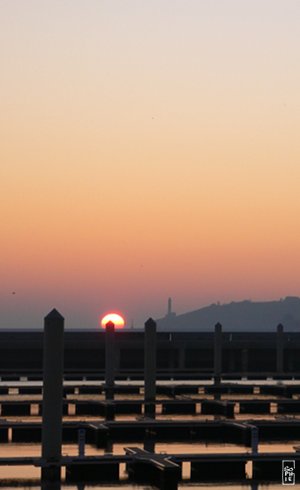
pixel 135 354
pixel 179 355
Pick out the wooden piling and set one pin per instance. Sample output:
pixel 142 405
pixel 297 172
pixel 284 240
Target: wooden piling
pixel 109 360
pixel 217 353
pixel 150 367
pixel 279 349
pixel 52 395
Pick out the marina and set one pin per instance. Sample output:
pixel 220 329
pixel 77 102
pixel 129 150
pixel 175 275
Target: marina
pixel 162 433
pixel 119 442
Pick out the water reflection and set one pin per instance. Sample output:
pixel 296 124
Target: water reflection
pixel 149 444
pixel 19 474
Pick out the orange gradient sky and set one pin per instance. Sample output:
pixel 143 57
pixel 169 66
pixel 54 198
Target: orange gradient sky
pixel 148 149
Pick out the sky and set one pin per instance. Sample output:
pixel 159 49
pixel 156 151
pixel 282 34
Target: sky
pixel 148 149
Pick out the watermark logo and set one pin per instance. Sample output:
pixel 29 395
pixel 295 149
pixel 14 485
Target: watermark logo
pixel 288 472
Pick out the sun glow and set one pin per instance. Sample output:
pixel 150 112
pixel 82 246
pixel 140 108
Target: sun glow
pixel 116 319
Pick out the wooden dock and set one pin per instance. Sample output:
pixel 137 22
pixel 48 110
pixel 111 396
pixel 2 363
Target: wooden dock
pixel 165 470
pixel 97 418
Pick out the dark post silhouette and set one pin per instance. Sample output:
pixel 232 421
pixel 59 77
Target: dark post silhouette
pixel 279 349
pixel 50 485
pixel 254 439
pixel 218 353
pixel 149 440
pixel 109 360
pixel 150 367
pixel 52 395
pixel 81 442
pixel 244 354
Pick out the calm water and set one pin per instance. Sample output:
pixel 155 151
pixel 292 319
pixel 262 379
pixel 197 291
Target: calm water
pixel 27 477
pixel 16 475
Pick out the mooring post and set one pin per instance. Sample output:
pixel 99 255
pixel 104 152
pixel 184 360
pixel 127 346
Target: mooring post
pixel 150 367
pixel 81 442
pixel 149 440
pixel 244 354
pixel 52 395
pixel 218 354
pixel 279 349
pixel 108 447
pixel 109 360
pixel 254 439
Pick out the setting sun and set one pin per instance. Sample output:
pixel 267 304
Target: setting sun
pixel 116 319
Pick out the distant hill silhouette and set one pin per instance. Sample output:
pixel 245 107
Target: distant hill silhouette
pixel 237 316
